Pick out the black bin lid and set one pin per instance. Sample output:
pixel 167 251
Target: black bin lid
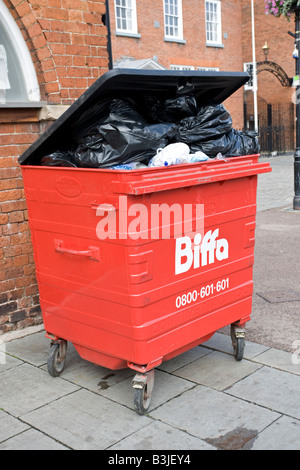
pixel 207 87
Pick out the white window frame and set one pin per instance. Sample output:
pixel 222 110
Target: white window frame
pixel 213 23
pixel 173 10
pixel 208 69
pixel 192 67
pixel 129 24
pixel 28 71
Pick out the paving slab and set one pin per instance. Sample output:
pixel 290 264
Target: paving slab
pixel 271 388
pixel 84 420
pixel 33 349
pixel 212 415
pixel 31 440
pixel 221 341
pixel 10 426
pixel 7 361
pixel 160 436
pixel 25 388
pixel 276 188
pixel 166 387
pixel 283 434
pixel 217 370
pixel 283 360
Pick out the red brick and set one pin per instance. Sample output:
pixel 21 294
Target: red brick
pixel 75 5
pixel 9 173
pixel 13 250
pixel 58 49
pixel 9 150
pixel 8 184
pixel 96 40
pixel 7 285
pixel 23 8
pixel 43 53
pixel 34 30
pixel 57 37
pixel 21 261
pixel 78 50
pixel 29 19
pixel 31 290
pixel 6 129
pixel 26 248
pixel 3 219
pixel 24 281
pixel 79 72
pixel 97 7
pixel 52 87
pixel 79 61
pixel 54 3
pixel 76 16
pixel 55 13
pixel 39 41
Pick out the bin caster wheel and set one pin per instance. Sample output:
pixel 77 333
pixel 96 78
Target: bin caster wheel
pixel 238 341
pixel 143 386
pixel 57 358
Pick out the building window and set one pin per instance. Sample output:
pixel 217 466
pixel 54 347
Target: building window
pixel 18 80
pixel 192 67
pixel 182 67
pixel 208 69
pixel 173 20
pixel 213 22
pixel 126 19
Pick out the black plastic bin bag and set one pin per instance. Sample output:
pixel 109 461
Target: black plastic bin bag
pixel 172 109
pixel 123 137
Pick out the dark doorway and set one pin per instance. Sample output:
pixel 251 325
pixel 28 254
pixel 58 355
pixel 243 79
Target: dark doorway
pixel 275 122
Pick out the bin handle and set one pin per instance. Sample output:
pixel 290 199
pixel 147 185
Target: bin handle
pixel 92 252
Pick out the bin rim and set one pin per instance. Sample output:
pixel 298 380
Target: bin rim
pixel 212 87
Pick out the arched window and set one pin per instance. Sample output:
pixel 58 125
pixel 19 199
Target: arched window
pixel 18 81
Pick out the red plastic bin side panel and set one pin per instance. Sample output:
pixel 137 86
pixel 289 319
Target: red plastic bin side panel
pixel 138 300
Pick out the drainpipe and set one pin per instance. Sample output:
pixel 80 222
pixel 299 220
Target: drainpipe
pixel 254 67
pixel 296 202
pixel 106 21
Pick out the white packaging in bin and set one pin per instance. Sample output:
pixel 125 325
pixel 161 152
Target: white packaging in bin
pixel 175 154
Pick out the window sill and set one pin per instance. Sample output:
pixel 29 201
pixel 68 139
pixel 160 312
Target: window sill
pixel 214 45
pixel 179 41
pixel 30 112
pixel 128 35
pixel 23 104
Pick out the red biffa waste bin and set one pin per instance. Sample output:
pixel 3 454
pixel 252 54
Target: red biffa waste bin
pixel 136 267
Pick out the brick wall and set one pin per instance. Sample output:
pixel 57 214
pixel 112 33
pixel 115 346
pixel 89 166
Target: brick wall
pixel 67 42
pixel 194 51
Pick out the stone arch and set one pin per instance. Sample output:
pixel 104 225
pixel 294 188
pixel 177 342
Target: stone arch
pixel 39 61
pixel 276 70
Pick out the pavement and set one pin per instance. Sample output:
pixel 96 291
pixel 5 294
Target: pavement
pixel 203 399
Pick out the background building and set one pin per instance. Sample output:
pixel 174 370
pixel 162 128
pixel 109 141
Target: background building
pixel 179 35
